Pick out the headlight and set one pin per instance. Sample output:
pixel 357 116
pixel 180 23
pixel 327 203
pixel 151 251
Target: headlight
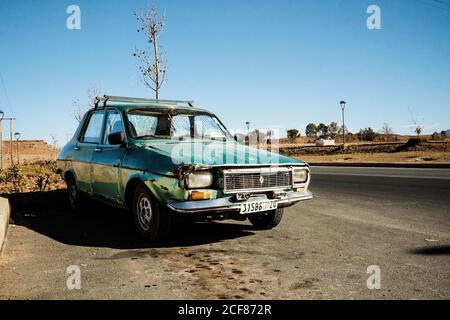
pixel 300 175
pixel 199 179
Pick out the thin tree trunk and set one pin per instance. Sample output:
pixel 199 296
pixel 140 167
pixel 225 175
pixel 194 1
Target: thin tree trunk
pixel 155 47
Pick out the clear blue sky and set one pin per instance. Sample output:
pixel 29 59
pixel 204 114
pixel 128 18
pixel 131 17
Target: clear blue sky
pixel 278 64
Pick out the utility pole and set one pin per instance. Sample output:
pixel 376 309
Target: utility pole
pixel 343 103
pixel 10 139
pixel 2 114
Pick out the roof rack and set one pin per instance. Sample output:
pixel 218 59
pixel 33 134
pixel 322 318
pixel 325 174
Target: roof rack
pixel 105 99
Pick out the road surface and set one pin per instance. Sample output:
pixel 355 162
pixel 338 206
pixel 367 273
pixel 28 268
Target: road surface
pixel 396 219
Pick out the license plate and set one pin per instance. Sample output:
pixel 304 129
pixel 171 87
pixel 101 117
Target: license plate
pixel 258 206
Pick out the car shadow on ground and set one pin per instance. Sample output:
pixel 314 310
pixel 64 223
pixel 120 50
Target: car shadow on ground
pixel 103 226
pixel 443 250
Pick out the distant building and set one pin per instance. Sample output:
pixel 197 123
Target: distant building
pixel 325 142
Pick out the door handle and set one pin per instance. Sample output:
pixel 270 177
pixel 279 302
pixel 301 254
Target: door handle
pixel 76 148
pixel 97 150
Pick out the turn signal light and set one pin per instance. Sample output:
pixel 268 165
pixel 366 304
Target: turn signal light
pixel 201 195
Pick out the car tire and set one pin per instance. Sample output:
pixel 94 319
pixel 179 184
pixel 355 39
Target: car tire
pixel 151 220
pixel 267 220
pixel 76 199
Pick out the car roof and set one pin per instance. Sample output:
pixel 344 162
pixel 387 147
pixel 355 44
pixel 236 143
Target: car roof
pixel 127 103
pixel 156 107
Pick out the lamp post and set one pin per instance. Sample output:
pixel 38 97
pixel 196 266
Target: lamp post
pixel 2 114
pixel 17 136
pixel 343 103
pixel 248 131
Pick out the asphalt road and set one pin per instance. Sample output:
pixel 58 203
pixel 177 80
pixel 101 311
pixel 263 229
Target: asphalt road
pixel 397 219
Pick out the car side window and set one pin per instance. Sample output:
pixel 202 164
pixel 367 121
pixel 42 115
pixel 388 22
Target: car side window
pixel 114 124
pixel 94 128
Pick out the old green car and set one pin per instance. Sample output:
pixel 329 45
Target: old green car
pixel 163 158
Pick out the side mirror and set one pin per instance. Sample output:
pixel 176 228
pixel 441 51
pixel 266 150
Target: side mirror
pixel 116 138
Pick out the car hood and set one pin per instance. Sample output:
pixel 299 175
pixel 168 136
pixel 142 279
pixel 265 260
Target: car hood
pixel 214 153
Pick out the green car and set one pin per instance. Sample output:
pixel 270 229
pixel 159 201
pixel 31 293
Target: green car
pixel 162 158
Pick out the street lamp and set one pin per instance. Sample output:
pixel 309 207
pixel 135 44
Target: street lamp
pixel 17 136
pixel 248 132
pixel 343 103
pixel 2 115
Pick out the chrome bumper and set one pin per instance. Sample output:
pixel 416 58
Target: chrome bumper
pixel 227 205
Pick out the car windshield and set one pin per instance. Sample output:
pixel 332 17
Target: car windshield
pixel 149 124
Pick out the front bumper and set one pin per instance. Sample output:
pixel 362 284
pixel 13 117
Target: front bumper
pixel 227 205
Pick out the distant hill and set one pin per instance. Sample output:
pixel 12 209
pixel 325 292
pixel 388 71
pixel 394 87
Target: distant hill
pixel 447 132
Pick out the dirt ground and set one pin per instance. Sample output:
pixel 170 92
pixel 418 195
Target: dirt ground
pixel 321 250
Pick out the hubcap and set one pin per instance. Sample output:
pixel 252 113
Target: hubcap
pixel 144 211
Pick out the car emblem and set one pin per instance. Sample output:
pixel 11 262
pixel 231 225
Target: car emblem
pixel 261 179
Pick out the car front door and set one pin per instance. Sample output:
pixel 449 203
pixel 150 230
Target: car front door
pixel 87 142
pixel 106 159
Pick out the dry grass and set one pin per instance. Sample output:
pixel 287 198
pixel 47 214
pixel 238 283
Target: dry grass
pixel 30 177
pixel 398 157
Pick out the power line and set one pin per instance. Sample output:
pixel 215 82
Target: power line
pixel 442 1
pixel 6 94
pixel 436 6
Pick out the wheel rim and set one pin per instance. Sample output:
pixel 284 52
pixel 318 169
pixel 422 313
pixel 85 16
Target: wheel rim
pixel 144 212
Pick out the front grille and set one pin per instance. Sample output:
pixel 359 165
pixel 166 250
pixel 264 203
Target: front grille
pixel 235 181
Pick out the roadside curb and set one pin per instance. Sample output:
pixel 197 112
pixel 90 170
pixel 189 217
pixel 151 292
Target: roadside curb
pixel 5 213
pixel 382 165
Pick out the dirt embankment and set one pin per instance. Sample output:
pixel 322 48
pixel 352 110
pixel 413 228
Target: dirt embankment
pixel 27 151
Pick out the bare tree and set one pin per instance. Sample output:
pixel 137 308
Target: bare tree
pixel 417 124
pixel 387 130
pixel 54 145
pixel 152 59
pixel 79 109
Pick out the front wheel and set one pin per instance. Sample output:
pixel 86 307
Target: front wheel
pixel 151 221
pixel 267 220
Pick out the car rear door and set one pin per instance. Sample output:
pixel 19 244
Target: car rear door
pixel 106 159
pixel 87 142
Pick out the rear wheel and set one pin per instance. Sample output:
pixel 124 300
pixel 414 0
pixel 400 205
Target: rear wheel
pixel 74 195
pixel 151 220
pixel 267 220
